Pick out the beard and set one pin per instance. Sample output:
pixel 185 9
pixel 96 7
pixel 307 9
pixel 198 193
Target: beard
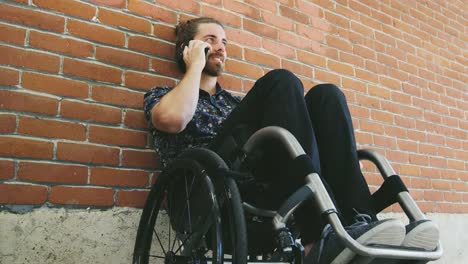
pixel 213 68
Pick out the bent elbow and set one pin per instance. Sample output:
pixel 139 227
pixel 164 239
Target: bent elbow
pixel 170 124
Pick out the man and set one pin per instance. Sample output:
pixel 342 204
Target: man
pixel 197 112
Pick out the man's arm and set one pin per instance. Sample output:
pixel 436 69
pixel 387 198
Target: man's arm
pixel 175 109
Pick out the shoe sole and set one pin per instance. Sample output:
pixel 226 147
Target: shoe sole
pixel 425 235
pixel 390 232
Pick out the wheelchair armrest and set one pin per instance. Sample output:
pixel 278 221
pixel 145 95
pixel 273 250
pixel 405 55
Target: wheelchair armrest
pixel 405 200
pixel 278 133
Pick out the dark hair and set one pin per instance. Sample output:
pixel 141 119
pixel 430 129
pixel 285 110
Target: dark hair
pixel 186 31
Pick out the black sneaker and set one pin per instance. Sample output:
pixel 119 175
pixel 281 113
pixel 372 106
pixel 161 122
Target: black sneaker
pixel 330 249
pixel 421 234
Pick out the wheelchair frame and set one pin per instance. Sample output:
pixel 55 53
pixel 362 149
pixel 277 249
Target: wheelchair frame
pixel 315 190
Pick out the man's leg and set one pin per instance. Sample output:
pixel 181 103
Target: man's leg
pixel 277 99
pixel 334 132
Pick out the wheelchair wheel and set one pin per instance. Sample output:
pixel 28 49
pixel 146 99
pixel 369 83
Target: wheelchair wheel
pixel 237 236
pixel 181 220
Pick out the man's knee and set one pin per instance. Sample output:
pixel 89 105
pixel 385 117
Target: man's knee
pixel 283 77
pixel 327 90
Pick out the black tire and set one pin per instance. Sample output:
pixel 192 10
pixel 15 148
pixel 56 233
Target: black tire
pixel 236 223
pixel 233 221
pixel 191 218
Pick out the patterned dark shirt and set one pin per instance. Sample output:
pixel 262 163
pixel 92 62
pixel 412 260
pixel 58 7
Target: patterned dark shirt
pixel 211 111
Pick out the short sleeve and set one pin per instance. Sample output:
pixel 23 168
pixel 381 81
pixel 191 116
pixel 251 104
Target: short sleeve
pixel 151 98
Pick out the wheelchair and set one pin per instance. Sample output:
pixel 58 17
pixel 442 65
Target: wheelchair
pixel 194 213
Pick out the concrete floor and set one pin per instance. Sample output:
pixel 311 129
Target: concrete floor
pixel 49 235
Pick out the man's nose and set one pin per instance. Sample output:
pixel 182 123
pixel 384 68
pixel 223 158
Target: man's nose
pixel 219 47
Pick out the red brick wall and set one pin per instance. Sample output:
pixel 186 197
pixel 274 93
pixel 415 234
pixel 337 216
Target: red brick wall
pixel 74 72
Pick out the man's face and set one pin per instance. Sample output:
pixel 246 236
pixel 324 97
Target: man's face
pixel 214 35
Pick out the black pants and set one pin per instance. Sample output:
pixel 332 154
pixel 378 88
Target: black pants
pixel 322 124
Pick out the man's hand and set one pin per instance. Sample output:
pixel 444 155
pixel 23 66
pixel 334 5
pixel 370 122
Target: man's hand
pixel 194 54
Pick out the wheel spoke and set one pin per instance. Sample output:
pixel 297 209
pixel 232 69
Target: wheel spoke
pixel 159 240
pixel 182 244
pixel 188 204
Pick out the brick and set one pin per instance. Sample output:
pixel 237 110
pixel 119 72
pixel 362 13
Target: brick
pixel 15 193
pixel 7 169
pixel 145 81
pixel 120 137
pixel 87 153
pixel 294 40
pixel 117 96
pixel 228 18
pixel 29 59
pixel 92 70
pixel 260 29
pixel 132 198
pixel 364 52
pixel 164 31
pixel 90 112
pixel 359 112
pixel 242 8
pixel 269 5
pixel 122 58
pixel 33 18
pixel 244 69
pixel 326 76
pixel 72 8
pixel 294 14
pixel 95 32
pixel 311 59
pixel 118 177
pixel 81 196
pixel 230 82
pixel 371 127
pixel 338 20
pixel 309 8
pixel 378 91
pixel 60 44
pixel 297 68
pixel 382 116
pixel 234 51
pixel 341 44
pixel 366 75
pixel 111 3
pixel 262 58
pixel 190 7
pixel 52 172
pixel 386 142
pixel 168 68
pixel 135 119
pixel 11 34
pixel 51 128
pixel 54 85
pixel 418 159
pixel 152 11
pixel 26 102
pixel 25 147
pixel 278 49
pixel 8 123
pixel 122 20
pixel 9 77
pixel 341 68
pixel 277 21
pixel 140 159
pixel 151 46
pixel 243 37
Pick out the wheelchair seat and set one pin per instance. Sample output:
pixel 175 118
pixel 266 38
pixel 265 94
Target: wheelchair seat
pixel 195 214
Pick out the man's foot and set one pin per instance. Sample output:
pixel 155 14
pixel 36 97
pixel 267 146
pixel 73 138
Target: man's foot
pixel 421 234
pixel 330 250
